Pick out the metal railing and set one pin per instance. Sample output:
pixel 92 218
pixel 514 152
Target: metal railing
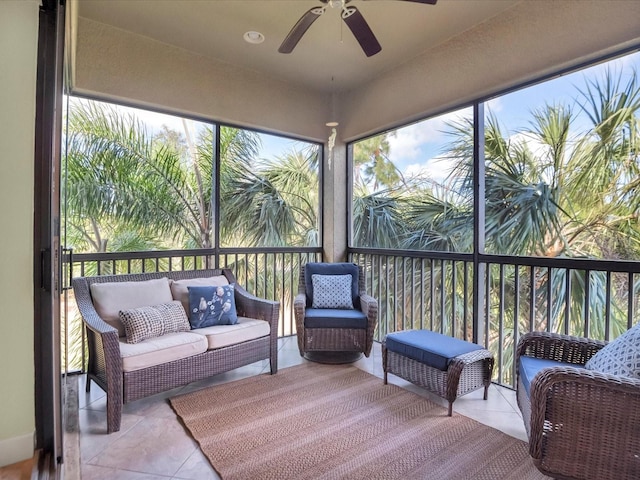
pixel 435 291
pixel 421 290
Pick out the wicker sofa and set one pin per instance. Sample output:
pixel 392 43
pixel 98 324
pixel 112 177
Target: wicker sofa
pixel 582 424
pixel 124 382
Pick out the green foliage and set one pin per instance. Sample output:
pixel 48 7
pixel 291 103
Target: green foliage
pixel 130 189
pixel 272 203
pixel 372 164
pixel 550 191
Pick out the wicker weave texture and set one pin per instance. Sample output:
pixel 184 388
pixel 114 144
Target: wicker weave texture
pixel 581 424
pixel 105 366
pixel 465 374
pixel 336 339
pixel 340 339
pixel 149 381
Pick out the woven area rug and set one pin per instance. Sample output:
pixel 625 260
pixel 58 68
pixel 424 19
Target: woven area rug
pixel 317 421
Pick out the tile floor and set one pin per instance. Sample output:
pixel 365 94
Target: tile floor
pixel 152 444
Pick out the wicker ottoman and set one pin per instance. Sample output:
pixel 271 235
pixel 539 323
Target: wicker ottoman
pixel 446 366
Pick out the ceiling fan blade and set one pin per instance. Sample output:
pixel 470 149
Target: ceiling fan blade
pixel 426 2
pixel 361 30
pixel 299 29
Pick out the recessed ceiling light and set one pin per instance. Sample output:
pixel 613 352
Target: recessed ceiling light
pixel 253 37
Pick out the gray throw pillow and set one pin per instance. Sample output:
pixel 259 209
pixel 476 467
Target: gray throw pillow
pixel 620 357
pixel 153 321
pixel 332 291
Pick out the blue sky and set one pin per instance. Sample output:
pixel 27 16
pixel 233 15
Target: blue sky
pixel 272 145
pixel 414 148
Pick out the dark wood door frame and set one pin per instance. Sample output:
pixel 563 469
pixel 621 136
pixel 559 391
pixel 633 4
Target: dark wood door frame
pixel 47 229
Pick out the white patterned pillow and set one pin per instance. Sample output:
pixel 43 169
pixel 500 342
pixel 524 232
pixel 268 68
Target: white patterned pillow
pixel 148 322
pixel 620 357
pixel 332 291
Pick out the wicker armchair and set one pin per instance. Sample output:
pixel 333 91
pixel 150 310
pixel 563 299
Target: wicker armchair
pixel 332 338
pixel 105 362
pixel 581 424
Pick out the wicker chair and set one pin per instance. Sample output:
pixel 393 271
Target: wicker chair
pixel 581 424
pixel 105 363
pixel 335 339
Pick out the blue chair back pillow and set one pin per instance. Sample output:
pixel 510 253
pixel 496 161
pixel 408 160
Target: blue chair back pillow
pixel 210 306
pixel 345 268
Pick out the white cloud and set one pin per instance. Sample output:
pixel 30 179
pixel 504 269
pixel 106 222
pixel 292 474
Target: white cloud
pixel 436 169
pixel 417 170
pixel 494 105
pixel 409 144
pixel 406 143
pixel 152 120
pixel 533 144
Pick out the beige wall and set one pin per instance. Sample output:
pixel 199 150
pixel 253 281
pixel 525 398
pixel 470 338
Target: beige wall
pixel 18 55
pixel 119 65
pixel 532 39
pixel 334 214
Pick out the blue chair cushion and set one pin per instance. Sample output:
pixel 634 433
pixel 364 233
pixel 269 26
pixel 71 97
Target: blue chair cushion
pixel 430 348
pixel 334 318
pixel 332 269
pixel 530 366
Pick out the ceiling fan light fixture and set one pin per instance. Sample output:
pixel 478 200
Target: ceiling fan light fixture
pixel 253 37
pixel 350 15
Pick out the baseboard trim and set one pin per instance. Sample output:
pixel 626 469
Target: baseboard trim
pixel 16 449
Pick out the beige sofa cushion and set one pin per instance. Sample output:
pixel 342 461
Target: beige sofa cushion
pixel 159 350
pixel 219 336
pixel 179 288
pixel 109 298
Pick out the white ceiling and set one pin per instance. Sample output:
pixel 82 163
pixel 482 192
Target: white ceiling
pixel 327 59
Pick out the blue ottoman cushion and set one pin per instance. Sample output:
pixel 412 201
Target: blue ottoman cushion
pixel 529 366
pixel 431 348
pixel 334 318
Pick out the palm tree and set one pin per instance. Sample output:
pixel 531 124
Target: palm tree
pixel 536 201
pixel 372 165
pixel 121 177
pixel 572 196
pixel 549 191
pixel 272 202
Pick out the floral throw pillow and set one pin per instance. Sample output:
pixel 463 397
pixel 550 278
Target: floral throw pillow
pixel 332 291
pixel 152 321
pixel 211 305
pixel 620 357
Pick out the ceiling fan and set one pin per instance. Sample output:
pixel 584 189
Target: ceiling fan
pixel 350 15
